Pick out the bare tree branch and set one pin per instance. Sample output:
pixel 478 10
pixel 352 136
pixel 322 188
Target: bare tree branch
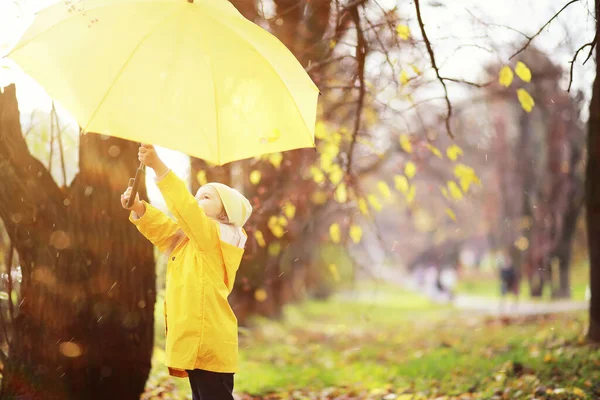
pixel 572 62
pixel 530 39
pixel 361 55
pixel 435 67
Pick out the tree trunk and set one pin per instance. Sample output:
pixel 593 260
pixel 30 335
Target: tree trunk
pixel 84 327
pixel 592 196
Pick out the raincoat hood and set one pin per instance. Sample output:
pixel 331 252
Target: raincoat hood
pixel 236 206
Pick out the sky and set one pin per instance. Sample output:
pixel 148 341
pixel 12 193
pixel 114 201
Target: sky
pixel 448 27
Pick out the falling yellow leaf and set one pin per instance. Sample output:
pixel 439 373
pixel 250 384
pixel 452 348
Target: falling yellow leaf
pixel 405 143
pixel 523 71
pixel 336 175
pixel 410 169
pixel 467 176
pixel 275 159
pixel 451 214
pixel 403 31
pixel 401 183
pixel 255 177
pixel 260 295
pixel 454 190
pixel 356 233
pixel 384 189
pixel 334 272
pixel 341 194
pixel 453 152
pixel 410 196
pixel 320 130
pixel 289 210
pixel 317 174
pixel 374 202
pixel 522 243
pixel 403 77
pixel 274 249
pixel 525 99
pixel 434 150
pixel 201 177
pixel 445 192
pixel 335 233
pixel 260 239
pixel 505 77
pixel 362 206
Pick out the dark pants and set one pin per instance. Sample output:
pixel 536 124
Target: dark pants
pixel 207 385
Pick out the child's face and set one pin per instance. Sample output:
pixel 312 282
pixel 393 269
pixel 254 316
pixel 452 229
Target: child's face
pixel 209 200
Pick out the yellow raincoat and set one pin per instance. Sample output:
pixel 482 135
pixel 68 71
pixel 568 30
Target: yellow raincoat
pixel 202 331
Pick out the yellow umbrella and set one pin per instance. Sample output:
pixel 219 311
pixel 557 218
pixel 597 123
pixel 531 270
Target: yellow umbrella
pixel 194 77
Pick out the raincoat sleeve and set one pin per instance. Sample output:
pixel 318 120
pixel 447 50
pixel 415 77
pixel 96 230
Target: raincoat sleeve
pixel 156 227
pixel 199 228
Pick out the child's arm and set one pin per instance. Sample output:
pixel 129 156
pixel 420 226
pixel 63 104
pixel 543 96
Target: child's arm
pixel 199 228
pixel 157 227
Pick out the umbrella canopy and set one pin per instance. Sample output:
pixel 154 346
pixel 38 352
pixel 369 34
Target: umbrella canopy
pixel 194 77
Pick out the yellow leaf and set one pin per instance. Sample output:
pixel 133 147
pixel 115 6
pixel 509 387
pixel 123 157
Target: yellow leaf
pixel 410 196
pixel 271 137
pixel 275 159
pixel 289 210
pixel 319 197
pixel 454 190
pixel 201 176
pixel 434 150
pixel 282 221
pixel 505 77
pixel 362 206
pixel 260 239
pixel 335 233
pixel 405 143
pixel 525 99
pixel 451 214
pixel 403 77
pixel 274 249
pixel 334 272
pixel 317 175
pixel 341 194
pixel 320 130
pixel 336 174
pixel 326 162
pixel 277 231
pixel 578 392
pixel 384 189
pixel 403 31
pixel 260 295
pixel 374 202
pixel 522 243
pixel 255 177
pixel 444 192
pixel 332 44
pixel 410 169
pixel 356 233
pixel 401 183
pixel 415 69
pixel 466 176
pixel 453 152
pixel 523 72
pixel 548 358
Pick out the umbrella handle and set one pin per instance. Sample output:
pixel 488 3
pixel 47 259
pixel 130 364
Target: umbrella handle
pixel 134 183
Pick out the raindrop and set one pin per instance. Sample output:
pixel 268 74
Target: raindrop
pixel 141 304
pixel 279 21
pixel 88 191
pixel 114 151
pixel 70 349
pixel 66 202
pixel 17 218
pixel 60 240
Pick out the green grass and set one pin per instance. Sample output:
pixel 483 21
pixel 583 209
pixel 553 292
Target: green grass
pixel 388 340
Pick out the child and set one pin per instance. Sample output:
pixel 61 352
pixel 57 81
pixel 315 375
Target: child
pixel 205 247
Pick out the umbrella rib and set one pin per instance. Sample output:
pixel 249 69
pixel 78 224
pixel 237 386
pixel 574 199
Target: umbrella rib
pixel 118 75
pixel 251 45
